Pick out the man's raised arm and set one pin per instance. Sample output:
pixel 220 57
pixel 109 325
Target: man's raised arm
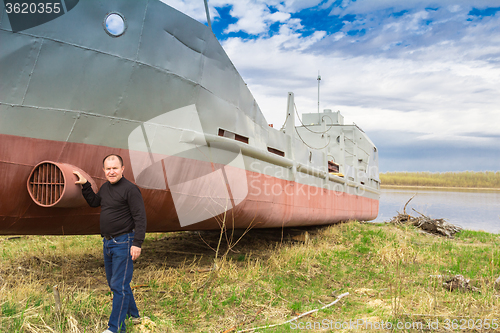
pixel 94 200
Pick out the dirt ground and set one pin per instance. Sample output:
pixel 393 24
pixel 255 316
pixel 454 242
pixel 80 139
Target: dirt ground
pixel 188 249
pixel 179 248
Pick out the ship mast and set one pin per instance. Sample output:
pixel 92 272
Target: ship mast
pixel 319 79
pixel 208 14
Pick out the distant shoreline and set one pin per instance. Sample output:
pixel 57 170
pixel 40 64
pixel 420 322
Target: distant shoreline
pixel 466 180
pixel 440 187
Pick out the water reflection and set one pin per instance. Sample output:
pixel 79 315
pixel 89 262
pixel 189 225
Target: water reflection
pixel 470 209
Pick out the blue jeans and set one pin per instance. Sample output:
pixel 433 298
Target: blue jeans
pixel 119 268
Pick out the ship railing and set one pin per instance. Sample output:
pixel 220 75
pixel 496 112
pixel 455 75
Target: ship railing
pixel 265 156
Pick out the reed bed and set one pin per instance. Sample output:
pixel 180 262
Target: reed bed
pixel 471 179
pixel 393 274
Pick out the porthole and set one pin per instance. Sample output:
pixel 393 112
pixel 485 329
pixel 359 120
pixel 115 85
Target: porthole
pixel 115 24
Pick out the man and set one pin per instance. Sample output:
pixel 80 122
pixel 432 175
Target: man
pixel 123 228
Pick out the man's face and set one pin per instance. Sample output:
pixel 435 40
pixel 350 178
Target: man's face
pixel 113 169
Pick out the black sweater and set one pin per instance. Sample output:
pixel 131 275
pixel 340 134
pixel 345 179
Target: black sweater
pixel 122 208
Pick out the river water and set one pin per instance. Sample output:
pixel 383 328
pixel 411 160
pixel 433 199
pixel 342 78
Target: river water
pixel 470 209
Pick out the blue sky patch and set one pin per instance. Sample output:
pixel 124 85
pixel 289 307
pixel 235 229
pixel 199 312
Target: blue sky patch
pixel 319 19
pixel 220 23
pixel 360 32
pixel 272 9
pixel 399 14
pixel 274 28
pixel 484 12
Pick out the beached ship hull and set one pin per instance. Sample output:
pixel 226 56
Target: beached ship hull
pixel 165 96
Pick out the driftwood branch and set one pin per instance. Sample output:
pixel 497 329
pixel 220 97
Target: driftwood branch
pixel 300 316
pixel 434 226
pixel 404 208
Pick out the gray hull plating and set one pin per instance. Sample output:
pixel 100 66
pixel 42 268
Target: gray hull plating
pixel 69 67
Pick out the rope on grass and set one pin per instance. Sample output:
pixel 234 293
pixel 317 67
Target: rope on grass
pixel 300 316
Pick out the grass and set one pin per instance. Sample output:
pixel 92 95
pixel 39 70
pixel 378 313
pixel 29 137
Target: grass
pixel 391 274
pixel 488 179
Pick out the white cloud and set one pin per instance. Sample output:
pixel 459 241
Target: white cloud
pixel 411 22
pixel 454 8
pixel 293 6
pixel 254 17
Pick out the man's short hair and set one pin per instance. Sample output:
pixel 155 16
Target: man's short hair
pixel 117 156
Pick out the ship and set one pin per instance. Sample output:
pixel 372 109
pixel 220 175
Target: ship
pixel 84 79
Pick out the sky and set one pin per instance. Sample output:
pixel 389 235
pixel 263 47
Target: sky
pixel 420 77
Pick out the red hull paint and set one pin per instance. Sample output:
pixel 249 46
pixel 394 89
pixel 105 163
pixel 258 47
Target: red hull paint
pixel 271 202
